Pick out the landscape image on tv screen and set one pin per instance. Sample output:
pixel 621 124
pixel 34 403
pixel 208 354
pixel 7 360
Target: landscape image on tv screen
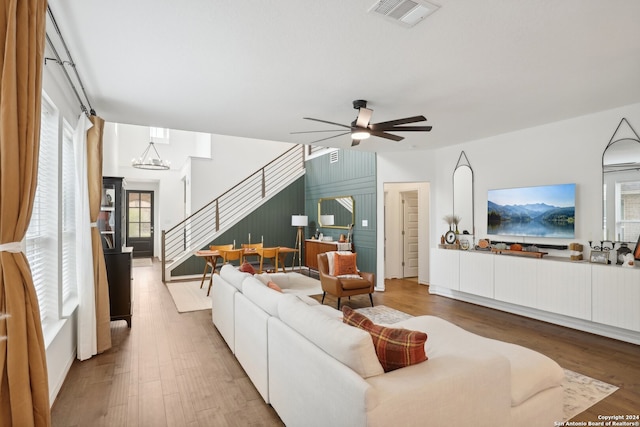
pixel 544 211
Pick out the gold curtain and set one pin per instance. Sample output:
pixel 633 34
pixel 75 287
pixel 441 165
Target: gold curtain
pixel 24 389
pixel 94 176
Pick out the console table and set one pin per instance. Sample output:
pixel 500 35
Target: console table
pixel 313 247
pixel 596 298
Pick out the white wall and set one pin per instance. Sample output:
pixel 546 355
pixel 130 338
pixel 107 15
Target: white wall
pixel 232 159
pixel 569 151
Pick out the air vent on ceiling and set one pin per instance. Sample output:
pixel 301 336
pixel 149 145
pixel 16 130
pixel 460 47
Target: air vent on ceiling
pixel 404 12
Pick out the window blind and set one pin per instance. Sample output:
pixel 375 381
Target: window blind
pixel 41 238
pixel 69 279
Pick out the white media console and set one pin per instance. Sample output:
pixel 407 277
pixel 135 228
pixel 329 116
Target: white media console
pixel 597 298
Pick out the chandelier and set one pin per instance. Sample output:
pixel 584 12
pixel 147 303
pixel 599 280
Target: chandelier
pixel 147 161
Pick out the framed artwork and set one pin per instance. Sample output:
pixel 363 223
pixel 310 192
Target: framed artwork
pixel 600 257
pixel 636 253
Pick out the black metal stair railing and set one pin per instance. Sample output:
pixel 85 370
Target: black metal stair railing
pixel 195 231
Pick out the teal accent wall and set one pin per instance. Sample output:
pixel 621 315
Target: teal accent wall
pixel 354 174
pixel 271 221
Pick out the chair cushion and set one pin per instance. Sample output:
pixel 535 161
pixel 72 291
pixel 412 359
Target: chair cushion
pixel 396 348
pixel 344 264
pixel 350 284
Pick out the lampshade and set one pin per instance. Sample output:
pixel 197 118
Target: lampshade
pixel 299 220
pixel 327 219
pixel 146 161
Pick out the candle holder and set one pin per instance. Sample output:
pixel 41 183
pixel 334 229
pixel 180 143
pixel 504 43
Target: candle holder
pixel 600 252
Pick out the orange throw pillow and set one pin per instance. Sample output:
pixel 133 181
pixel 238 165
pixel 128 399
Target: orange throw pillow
pixel 274 286
pixel 395 348
pixel 247 268
pixel 344 264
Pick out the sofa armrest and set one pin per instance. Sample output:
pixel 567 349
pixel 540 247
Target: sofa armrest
pixel 369 277
pixel 307 387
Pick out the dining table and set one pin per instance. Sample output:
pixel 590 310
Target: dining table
pixel 211 258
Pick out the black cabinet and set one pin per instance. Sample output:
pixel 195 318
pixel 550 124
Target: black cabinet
pixel 118 259
pixel 119 278
pixel 110 218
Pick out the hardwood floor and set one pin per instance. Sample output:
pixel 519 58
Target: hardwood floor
pixel 173 369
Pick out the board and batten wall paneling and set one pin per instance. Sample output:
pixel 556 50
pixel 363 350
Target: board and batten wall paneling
pixel 354 174
pixel 271 221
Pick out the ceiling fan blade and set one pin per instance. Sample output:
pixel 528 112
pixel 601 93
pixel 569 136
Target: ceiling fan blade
pixel 392 123
pixel 386 135
pixel 408 129
pixel 364 116
pixel 316 131
pixel 324 139
pixel 329 123
pixel 355 142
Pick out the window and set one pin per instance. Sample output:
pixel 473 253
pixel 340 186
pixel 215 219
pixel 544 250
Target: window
pixel 159 135
pixel 69 288
pixel 42 234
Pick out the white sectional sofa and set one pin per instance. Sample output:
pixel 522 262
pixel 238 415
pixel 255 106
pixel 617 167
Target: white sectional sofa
pixel 316 371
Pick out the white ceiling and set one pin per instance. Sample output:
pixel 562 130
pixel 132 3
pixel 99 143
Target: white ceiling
pixel 474 68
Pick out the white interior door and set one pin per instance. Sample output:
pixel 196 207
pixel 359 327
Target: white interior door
pixel 410 233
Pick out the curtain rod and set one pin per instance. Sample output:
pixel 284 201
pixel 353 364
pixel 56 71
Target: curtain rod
pixel 59 61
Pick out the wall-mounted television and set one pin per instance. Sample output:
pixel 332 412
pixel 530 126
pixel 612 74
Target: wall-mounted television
pixel 542 211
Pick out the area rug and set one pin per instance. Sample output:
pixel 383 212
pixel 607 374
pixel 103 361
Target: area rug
pixel 142 262
pixel 580 391
pixel 188 296
pixel 383 314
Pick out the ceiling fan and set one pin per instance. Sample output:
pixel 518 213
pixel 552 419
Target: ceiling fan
pixel 361 128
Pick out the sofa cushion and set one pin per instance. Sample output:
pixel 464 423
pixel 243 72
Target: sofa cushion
pixel 531 372
pixel 233 276
pixel 294 283
pixel 396 348
pixel 247 268
pixel 344 264
pixel 351 346
pixel 262 296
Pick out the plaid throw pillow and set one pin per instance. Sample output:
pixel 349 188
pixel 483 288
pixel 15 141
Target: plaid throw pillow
pixel 396 348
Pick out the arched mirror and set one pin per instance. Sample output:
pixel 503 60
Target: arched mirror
pixel 621 185
pixel 463 194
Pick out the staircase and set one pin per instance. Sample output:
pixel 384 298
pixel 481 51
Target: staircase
pixel 196 231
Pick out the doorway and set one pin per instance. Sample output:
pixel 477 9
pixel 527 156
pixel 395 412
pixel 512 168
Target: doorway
pixel 406 231
pixel 139 218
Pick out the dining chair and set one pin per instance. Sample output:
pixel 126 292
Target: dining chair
pixel 250 249
pixel 269 253
pixel 232 255
pixel 211 262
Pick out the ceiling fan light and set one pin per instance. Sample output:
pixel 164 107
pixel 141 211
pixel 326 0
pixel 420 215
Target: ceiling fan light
pixel 360 134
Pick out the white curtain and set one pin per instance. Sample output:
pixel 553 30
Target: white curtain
pixel 87 335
